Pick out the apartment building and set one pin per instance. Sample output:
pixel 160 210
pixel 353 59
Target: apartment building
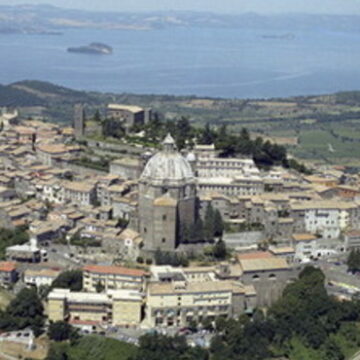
pixel 176 303
pixel 113 278
pixel 116 308
pixel 324 217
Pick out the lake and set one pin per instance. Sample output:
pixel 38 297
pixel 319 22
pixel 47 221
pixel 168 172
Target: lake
pixel 230 63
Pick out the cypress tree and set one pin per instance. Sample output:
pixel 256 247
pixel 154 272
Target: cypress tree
pixel 218 224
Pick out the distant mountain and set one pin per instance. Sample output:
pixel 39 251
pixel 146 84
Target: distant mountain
pixel 46 19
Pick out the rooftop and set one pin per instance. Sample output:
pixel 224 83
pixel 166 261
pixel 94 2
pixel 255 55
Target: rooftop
pixel 7 266
pixel 304 237
pixel 118 270
pixel 131 108
pixel 262 264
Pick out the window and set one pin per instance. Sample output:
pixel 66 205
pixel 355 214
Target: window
pixel 256 277
pixel 163 240
pixel 145 230
pixel 272 277
pixel 164 217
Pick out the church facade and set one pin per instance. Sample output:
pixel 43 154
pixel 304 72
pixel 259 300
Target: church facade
pixel 167 199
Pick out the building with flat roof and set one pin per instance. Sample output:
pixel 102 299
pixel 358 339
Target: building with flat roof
pixel 112 308
pixel 267 273
pixel 113 278
pixel 128 115
pixel 177 303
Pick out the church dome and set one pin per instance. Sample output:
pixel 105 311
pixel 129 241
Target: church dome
pixel 168 165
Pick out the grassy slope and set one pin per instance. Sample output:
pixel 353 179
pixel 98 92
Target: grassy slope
pixel 97 348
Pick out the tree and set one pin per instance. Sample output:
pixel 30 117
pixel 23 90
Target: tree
pixel 207 136
pixel 353 261
pixel 25 310
pixel 209 223
pixel 97 117
pixel 99 287
pixel 218 224
pixel 61 330
pixel 71 279
pixel 219 250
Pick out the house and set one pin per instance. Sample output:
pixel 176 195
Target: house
pixel 79 192
pixel 40 277
pixel 305 246
pixel 8 273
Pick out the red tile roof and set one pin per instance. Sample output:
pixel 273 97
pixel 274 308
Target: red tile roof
pixel 7 266
pixel 114 270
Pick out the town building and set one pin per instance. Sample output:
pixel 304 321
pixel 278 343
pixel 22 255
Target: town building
pixel 112 308
pixel 267 273
pixel 177 303
pixel 112 278
pixel 8 273
pixel 305 246
pixel 40 277
pixel 127 168
pixel 128 115
pixel 78 192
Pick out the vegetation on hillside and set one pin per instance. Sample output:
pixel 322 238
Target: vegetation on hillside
pixel 8 237
pixel 25 310
pixel 305 323
pixel 312 127
pixel 91 348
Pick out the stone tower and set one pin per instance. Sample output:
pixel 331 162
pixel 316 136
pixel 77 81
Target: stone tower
pixel 79 121
pixel 167 198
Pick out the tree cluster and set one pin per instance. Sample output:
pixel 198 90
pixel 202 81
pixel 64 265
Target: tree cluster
pixel 25 310
pixel 71 279
pixel 8 237
pixel 61 331
pixel 353 261
pixel 305 312
pixel 170 258
pixel 305 315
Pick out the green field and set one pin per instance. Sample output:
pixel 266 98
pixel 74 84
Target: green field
pixel 92 348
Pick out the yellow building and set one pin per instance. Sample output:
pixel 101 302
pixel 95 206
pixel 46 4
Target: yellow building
pixel 112 278
pixel 177 303
pixel 117 308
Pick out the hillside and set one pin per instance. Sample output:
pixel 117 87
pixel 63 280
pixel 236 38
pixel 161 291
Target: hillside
pixel 315 128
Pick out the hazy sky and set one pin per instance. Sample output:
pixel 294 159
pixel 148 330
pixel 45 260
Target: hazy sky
pixel 225 6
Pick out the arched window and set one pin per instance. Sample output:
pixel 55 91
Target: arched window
pixel 272 277
pixel 256 277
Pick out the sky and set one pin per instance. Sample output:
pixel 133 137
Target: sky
pixel 221 6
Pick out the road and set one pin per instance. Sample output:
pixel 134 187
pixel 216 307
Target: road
pixel 356 356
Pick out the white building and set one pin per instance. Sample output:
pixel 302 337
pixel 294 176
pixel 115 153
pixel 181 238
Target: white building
pixel 40 277
pixel 305 246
